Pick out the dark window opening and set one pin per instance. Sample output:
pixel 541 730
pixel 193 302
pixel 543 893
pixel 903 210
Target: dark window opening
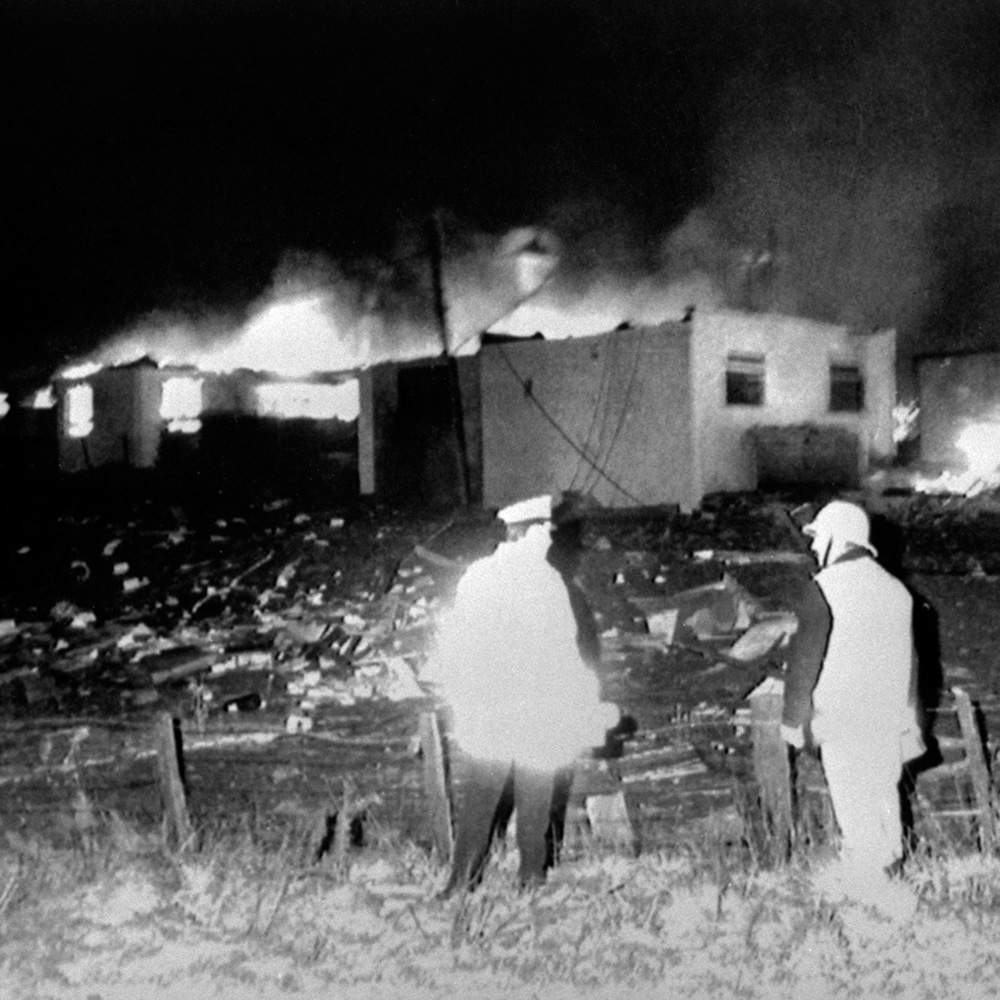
pixel 745 380
pixel 847 389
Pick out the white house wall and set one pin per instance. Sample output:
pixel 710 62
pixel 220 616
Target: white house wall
pixel 798 353
pixel 621 398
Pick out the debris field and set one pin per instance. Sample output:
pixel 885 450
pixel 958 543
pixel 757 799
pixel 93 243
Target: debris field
pixel 287 632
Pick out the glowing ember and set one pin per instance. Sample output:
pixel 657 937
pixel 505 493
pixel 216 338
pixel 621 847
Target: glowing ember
pixel 181 404
pixel 317 401
pixel 79 410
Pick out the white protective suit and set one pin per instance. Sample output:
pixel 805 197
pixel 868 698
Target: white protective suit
pixel 508 664
pixel 863 712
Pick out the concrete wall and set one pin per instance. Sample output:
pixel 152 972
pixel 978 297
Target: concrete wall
pixel 954 391
pixel 798 353
pixel 620 398
pixel 127 424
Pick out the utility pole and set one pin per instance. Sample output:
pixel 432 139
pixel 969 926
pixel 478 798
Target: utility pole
pixel 435 235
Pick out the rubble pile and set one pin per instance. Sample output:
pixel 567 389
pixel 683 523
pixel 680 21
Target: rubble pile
pixel 271 609
pixel 274 607
pixel 291 616
pixel 946 533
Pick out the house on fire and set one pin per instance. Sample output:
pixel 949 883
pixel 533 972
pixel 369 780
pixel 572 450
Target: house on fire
pixel 141 415
pixel 637 416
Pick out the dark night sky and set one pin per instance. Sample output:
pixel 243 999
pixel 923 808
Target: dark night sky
pixel 167 153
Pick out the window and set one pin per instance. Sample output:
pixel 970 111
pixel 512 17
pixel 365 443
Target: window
pixel 847 389
pixel 79 410
pixel 745 380
pixel 181 404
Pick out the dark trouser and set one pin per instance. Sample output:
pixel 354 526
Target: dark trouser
pixel 486 791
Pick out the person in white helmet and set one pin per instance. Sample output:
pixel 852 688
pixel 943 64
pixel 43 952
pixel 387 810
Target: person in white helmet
pixel 524 702
pixel 850 686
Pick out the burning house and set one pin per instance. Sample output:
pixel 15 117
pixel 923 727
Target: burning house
pixel 636 416
pixel 142 415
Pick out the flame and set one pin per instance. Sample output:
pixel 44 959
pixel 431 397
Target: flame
pixel 82 370
pixel 904 421
pixel 181 404
pixel 294 337
pixel 4 405
pixel 605 305
pixel 980 443
pixel 44 398
pixel 314 400
pixel 981 446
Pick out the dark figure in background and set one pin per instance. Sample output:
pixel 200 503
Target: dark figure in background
pixel 523 699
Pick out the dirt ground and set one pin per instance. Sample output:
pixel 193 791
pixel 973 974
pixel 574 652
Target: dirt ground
pixel 244 611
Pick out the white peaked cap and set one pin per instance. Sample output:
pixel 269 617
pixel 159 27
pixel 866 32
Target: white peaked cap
pixel 533 509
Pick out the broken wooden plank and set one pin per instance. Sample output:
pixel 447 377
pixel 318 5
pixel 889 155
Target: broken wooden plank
pixel 436 559
pixel 771 765
pixel 435 786
pixel 740 557
pixel 199 662
pixel 978 770
pixel 169 759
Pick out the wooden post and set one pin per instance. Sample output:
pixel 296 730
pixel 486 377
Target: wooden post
pixel 435 786
pixel 436 241
pixel 169 761
pixel 978 770
pixel 771 767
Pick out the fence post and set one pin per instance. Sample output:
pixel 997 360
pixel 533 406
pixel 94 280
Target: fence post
pixel 978 769
pixel 169 762
pixel 770 762
pixel 435 787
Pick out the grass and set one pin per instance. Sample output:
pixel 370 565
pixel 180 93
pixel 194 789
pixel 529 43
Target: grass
pixel 119 915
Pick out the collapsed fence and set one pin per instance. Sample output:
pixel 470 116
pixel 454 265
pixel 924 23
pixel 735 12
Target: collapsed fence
pixel 730 778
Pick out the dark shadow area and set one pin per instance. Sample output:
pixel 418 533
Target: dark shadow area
pixel 355 834
pixel 889 539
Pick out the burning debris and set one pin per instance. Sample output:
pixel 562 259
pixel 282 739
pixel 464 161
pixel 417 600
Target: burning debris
pixel 980 444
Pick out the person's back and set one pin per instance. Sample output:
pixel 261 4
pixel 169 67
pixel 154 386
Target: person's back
pixel 864 686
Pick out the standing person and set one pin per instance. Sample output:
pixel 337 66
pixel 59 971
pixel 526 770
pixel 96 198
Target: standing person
pixel 850 685
pixel 523 700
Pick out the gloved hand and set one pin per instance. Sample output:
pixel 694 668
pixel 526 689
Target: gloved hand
pixel 608 714
pixel 794 736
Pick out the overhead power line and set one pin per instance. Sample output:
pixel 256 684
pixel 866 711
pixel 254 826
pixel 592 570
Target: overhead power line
pixel 561 431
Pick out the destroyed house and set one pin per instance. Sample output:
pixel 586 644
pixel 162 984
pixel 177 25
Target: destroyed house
pixel 143 415
pixel 650 415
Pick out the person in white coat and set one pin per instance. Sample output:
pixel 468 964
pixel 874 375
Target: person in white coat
pixel 850 686
pixel 524 703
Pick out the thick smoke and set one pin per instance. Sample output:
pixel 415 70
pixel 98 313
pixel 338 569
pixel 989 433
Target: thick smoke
pixel 869 181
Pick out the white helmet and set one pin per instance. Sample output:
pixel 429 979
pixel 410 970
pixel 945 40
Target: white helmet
pixel 836 527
